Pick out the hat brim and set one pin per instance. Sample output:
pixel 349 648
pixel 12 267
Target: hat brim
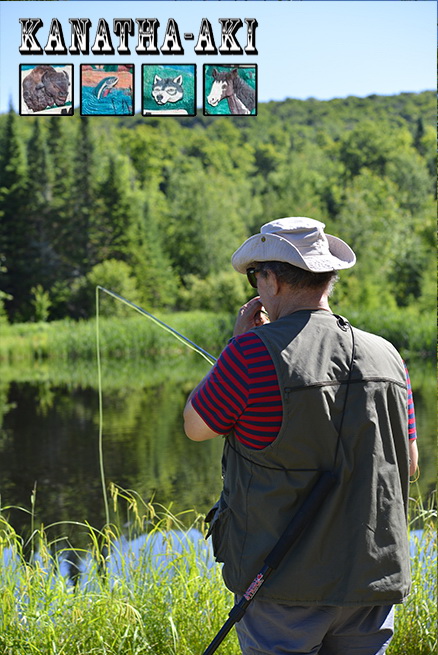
pixel 273 247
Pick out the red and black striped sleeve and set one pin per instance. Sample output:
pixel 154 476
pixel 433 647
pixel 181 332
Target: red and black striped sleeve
pixel 412 428
pixel 242 393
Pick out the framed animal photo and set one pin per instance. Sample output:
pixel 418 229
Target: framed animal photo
pixel 169 89
pixel 107 89
pixel 230 90
pixel 46 89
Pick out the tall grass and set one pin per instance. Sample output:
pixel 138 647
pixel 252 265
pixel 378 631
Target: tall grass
pixel 164 597
pixel 119 337
pixel 167 599
pixel 411 332
pixel 416 621
pixel 136 336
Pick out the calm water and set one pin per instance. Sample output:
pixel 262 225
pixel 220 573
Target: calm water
pixel 49 438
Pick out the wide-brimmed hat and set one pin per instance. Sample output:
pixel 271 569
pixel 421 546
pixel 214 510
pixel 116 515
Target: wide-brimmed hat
pixel 297 240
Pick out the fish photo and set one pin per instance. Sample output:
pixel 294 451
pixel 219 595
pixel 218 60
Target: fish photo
pixel 107 89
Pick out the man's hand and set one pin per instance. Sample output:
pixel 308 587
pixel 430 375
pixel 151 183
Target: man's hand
pixel 250 315
pixel 413 457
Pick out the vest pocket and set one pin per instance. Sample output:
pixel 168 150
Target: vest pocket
pixel 218 520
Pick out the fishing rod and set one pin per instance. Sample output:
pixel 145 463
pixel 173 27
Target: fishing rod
pixel 206 355
pixel 303 517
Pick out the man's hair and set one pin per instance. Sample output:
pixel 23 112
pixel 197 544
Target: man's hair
pixel 298 278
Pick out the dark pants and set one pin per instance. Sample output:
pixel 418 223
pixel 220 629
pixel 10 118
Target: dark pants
pixel 273 629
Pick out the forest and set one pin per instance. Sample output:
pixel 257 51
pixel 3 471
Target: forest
pixel 154 208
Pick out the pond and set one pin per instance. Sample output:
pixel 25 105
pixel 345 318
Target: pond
pixel 49 440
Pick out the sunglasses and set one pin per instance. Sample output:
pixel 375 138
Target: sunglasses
pixel 251 275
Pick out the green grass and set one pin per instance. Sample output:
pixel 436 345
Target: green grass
pixel 120 338
pixel 411 332
pixel 137 336
pixel 173 607
pixel 149 606
pixel 416 621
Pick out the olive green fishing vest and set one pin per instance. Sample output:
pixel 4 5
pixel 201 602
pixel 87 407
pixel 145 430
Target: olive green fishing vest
pixel 355 552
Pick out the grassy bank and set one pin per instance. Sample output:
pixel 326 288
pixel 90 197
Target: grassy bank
pixel 137 336
pixel 168 600
pixel 119 338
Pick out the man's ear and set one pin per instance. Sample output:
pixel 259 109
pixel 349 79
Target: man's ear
pixel 272 283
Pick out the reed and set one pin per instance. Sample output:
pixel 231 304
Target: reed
pixel 411 332
pixel 164 598
pixel 119 338
pixel 162 595
pixel 416 621
pixel 136 336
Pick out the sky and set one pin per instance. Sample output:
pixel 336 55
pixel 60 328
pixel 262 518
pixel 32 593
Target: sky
pixel 317 48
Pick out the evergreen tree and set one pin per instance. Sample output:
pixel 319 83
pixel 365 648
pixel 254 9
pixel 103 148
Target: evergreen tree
pixel 119 212
pixel 14 240
pixel 61 148
pixel 61 156
pixel 43 259
pixel 128 231
pixel 80 230
pixel 419 134
pixel 157 281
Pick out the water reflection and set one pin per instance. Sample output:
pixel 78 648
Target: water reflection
pixel 49 438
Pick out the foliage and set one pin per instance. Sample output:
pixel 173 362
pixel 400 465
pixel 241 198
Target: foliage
pixel 125 336
pixel 410 332
pixel 161 597
pixel 111 274
pixel 416 620
pixel 3 314
pixel 229 292
pixel 41 303
pixel 173 199
pixel 14 244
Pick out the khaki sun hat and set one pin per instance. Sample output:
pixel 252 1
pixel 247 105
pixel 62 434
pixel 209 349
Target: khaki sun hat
pixel 297 240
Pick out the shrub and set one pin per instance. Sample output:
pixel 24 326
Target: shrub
pixel 41 303
pixel 112 274
pixel 221 293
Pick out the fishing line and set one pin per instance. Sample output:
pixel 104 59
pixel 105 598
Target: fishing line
pixel 99 386
pixel 210 359
pixel 193 346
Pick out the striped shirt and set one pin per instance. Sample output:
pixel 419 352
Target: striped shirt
pixel 242 393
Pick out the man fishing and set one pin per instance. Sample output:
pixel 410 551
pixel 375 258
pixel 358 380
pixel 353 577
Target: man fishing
pixel 299 393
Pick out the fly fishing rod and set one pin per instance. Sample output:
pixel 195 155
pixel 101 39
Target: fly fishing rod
pixel 303 517
pixel 210 359
pixel 157 321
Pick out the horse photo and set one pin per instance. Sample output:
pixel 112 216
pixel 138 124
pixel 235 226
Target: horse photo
pixel 229 85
